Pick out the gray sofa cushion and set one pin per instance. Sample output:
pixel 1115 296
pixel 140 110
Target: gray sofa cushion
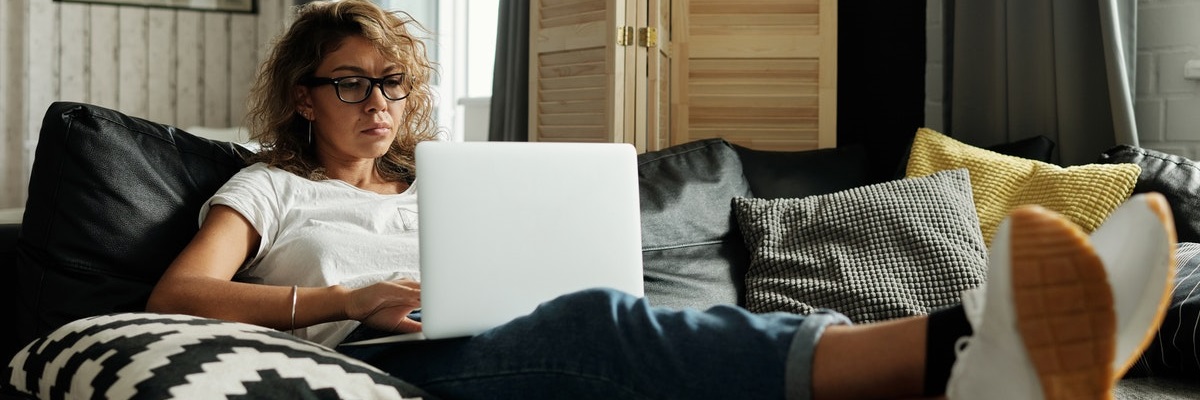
pixel 873 253
pixel 691 251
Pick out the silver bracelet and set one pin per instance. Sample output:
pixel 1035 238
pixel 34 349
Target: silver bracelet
pixel 294 289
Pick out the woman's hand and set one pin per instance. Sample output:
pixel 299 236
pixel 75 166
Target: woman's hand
pixel 386 305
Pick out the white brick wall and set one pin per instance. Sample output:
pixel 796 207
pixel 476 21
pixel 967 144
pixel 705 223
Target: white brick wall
pixel 1166 105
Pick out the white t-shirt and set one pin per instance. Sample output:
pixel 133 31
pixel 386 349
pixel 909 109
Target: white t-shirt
pixel 322 233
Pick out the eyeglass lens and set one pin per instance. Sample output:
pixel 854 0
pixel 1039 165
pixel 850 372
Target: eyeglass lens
pixel 353 89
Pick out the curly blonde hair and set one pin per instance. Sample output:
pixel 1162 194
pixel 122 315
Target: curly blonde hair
pixel 319 29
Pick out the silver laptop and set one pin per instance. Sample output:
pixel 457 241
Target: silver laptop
pixel 505 226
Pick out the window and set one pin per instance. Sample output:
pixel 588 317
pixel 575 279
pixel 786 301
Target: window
pixel 463 45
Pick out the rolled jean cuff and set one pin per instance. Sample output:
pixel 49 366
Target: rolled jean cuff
pixel 798 372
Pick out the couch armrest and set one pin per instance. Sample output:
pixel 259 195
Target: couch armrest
pixel 8 293
pixel 8 243
pixel 112 200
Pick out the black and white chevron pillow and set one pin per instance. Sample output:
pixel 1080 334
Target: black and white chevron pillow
pixel 1175 350
pixel 160 356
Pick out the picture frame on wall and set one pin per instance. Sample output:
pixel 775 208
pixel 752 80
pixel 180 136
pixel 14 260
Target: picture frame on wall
pixel 243 6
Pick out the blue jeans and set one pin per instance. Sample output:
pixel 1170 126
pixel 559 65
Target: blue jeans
pixel 604 344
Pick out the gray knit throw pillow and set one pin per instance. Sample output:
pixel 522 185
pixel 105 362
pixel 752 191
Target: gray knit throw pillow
pixel 873 253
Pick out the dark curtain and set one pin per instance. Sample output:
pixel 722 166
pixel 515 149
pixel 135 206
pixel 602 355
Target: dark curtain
pixel 1022 68
pixel 510 84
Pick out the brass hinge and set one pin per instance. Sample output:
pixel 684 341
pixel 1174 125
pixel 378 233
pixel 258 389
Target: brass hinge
pixel 648 37
pixel 624 36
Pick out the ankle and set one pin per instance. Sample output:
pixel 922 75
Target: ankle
pixel 944 328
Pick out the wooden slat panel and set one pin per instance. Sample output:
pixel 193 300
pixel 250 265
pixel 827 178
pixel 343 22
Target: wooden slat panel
pixel 132 88
pixel 752 31
pixel 576 133
pixel 680 71
pixel 582 63
pixel 579 56
pixel 596 16
pixel 754 100
pixel 743 124
pixel 555 3
pixel 762 46
pixel 161 77
pixel 72 70
pixel 757 72
pixel 572 13
pixel 572 70
pixel 775 130
pixel 572 37
pixel 189 53
pixel 782 88
pixel 569 82
pixel 572 56
pixel 660 69
pixel 568 13
pixel 216 70
pixel 663 138
pixel 147 62
pixel 552 10
pixel 761 133
pixel 42 80
pixel 568 107
pixel 242 62
pixel 103 56
pixel 271 23
pixel 799 20
pixel 781 118
pixel 550 120
pixel 12 121
pixel 828 77
pixel 573 94
pixel 762 7
pixel 761 68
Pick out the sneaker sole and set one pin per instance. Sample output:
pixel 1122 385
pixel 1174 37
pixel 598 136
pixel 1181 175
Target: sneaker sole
pixel 1158 292
pixel 1063 304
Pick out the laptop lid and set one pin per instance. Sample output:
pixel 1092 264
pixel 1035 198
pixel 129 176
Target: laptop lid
pixel 505 226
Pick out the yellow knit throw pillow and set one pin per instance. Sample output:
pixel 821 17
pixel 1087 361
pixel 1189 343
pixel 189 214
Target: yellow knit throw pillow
pixel 1085 194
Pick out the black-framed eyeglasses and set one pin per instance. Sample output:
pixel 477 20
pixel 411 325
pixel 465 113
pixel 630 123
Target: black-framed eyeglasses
pixel 355 89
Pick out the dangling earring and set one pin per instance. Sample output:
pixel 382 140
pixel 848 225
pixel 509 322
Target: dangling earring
pixel 310 132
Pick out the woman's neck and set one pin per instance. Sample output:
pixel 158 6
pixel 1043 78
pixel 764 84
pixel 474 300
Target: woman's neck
pixel 363 175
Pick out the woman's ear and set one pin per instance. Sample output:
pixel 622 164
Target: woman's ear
pixel 304 104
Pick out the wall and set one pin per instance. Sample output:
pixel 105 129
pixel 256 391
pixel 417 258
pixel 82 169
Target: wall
pixel 179 67
pixel 1167 105
pixel 881 76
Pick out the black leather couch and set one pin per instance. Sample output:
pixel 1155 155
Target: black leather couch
pixel 113 198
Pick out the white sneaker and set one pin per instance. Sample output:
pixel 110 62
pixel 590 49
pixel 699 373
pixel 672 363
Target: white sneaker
pixel 1044 322
pixel 1140 271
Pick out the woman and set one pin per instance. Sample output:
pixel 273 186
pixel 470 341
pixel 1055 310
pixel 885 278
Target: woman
pixel 307 239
